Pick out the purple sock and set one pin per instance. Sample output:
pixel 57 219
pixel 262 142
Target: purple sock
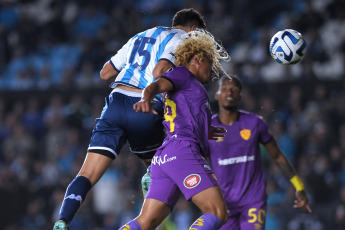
pixel 207 221
pixel 131 225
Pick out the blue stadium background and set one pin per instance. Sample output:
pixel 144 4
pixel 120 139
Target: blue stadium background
pixel 50 94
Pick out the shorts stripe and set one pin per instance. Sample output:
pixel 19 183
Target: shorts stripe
pixel 101 150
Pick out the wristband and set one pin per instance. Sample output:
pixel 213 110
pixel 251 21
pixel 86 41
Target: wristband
pixel 297 183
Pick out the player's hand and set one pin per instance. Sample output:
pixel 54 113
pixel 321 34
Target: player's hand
pixel 144 106
pixel 302 201
pixel 216 132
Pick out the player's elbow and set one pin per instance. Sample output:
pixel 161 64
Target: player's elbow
pixel 156 73
pixel 107 72
pixel 161 67
pixel 103 75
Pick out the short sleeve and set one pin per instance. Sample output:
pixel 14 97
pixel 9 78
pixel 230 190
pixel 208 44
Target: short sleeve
pixel 169 51
pixel 177 76
pixel 264 133
pixel 119 59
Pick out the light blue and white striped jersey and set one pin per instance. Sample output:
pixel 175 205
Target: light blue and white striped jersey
pixel 136 60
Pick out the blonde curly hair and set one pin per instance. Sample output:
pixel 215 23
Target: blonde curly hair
pixel 201 42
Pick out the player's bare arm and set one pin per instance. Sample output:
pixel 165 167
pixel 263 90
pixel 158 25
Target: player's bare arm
pixel 161 67
pixel 287 169
pixel 157 87
pixel 280 159
pixel 108 72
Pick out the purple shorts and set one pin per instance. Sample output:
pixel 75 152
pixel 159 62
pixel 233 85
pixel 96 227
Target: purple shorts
pixel 178 166
pixel 249 217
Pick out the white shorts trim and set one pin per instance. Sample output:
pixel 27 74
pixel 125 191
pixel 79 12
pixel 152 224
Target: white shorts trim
pixel 103 148
pixel 125 92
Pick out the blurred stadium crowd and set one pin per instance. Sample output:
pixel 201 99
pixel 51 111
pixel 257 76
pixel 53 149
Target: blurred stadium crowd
pixel 50 94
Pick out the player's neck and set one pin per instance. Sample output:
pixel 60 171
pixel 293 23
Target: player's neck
pixel 227 117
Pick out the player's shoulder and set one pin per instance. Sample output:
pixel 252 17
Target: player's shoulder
pixel 178 70
pixel 250 116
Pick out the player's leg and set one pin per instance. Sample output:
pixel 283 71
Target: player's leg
pixel 152 214
pixel 146 181
pixel 210 201
pixel 233 221
pixel 145 134
pixel 77 190
pixel 162 196
pixel 253 216
pixel 184 164
pixel 106 141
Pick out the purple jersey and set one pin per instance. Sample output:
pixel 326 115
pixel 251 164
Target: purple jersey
pixel 187 110
pixel 236 161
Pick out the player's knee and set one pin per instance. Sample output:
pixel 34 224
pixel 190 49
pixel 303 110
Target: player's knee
pixel 224 218
pixel 219 211
pixel 148 222
pixel 221 214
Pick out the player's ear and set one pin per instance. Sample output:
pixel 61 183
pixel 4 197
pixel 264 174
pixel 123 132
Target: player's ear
pixel 193 28
pixel 196 59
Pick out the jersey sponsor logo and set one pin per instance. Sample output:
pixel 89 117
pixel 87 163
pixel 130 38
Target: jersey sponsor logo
pixel 245 134
pixel 192 181
pixel 162 160
pixel 74 197
pixel 172 54
pixel 235 160
pixel 126 227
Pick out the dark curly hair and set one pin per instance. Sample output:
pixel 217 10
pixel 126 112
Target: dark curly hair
pixel 188 17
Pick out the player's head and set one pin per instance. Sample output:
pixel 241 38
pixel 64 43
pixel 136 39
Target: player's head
pixel 200 53
pixel 189 18
pixel 228 94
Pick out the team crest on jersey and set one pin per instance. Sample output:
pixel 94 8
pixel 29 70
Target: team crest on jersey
pixel 245 134
pixel 220 139
pixel 192 181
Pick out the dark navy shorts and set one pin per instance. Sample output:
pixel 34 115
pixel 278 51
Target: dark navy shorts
pixel 119 123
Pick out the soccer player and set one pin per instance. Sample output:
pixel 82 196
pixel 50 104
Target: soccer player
pixel 137 64
pixel 236 161
pixel 178 165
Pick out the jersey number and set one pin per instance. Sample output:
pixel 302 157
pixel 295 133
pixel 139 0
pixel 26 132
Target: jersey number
pixel 170 113
pixel 260 215
pixel 139 48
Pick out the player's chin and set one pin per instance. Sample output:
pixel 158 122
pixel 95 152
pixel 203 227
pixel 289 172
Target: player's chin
pixel 230 106
pixel 207 80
